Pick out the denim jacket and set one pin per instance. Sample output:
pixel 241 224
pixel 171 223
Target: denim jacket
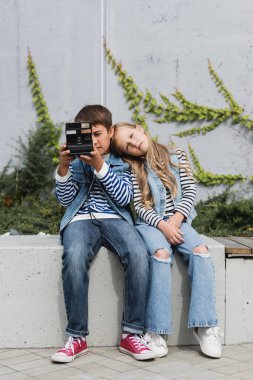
pixel 159 192
pixel 83 175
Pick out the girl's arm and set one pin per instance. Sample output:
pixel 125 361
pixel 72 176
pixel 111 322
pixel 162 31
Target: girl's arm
pixel 172 232
pixel 171 228
pixel 149 216
pixel 188 186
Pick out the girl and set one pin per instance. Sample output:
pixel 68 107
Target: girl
pixel 164 193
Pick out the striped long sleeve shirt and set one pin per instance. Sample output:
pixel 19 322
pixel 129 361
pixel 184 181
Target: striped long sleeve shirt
pixel 120 190
pixel 188 186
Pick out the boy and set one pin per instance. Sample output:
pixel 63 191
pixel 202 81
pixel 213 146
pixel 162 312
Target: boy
pixel 96 190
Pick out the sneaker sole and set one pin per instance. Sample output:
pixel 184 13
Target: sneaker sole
pixel 150 355
pixel 67 359
pixel 162 355
pixel 218 356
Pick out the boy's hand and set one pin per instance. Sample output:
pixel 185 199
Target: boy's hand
pixel 65 160
pixel 95 159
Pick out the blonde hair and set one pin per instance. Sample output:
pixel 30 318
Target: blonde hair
pixel 158 159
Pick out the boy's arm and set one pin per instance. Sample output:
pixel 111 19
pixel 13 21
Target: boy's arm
pixel 120 189
pixel 66 189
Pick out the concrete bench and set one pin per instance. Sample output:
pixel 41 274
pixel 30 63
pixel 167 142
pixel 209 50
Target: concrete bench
pixel 239 289
pixel 32 302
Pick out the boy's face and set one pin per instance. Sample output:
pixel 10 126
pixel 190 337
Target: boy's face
pixel 101 138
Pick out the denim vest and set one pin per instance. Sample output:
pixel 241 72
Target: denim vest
pixel 83 176
pixel 158 191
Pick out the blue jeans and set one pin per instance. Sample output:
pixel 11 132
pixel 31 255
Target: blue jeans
pixel 202 311
pixel 82 240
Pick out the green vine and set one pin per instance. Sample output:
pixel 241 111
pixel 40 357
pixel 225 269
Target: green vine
pixel 48 129
pixel 168 112
pixel 29 172
pixel 142 103
pixel 131 90
pixel 203 130
pixel 38 98
pixel 208 178
pixel 224 91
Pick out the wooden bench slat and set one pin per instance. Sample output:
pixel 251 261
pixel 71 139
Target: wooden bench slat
pixel 233 247
pixel 239 255
pixel 243 240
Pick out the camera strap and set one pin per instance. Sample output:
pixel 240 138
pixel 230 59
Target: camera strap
pixel 94 179
pixel 107 196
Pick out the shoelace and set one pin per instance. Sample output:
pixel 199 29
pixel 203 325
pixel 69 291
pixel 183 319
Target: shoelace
pixel 155 338
pixel 70 345
pixel 214 332
pixel 138 342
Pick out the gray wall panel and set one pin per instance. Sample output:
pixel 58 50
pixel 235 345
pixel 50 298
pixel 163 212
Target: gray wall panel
pixel 64 40
pixel 167 44
pixel 163 45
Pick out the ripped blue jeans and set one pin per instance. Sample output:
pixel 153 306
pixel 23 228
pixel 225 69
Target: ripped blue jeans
pixel 202 311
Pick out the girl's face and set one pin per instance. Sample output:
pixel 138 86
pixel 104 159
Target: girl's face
pixel 131 141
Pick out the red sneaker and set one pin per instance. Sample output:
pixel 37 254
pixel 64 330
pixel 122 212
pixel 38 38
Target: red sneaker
pixel 73 348
pixel 136 346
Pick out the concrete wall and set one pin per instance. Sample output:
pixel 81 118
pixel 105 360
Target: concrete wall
pixel 31 292
pixel 162 44
pixel 239 305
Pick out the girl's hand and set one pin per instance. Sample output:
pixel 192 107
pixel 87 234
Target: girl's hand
pixel 95 159
pixel 65 160
pixel 176 219
pixel 172 233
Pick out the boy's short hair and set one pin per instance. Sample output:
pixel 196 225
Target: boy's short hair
pixel 96 114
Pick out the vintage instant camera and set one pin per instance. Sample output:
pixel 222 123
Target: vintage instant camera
pixel 79 138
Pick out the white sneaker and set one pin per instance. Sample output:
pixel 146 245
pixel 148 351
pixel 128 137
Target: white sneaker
pixel 208 338
pixel 157 344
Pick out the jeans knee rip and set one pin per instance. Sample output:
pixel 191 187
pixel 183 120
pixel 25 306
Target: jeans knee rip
pixel 166 261
pixel 201 254
pixel 162 260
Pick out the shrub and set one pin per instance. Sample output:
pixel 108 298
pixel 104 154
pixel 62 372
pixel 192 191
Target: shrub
pixel 224 215
pixel 27 181
pixel 31 215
